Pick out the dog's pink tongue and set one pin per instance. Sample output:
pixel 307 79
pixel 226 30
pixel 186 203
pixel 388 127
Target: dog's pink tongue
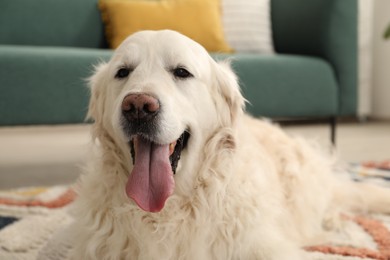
pixel 151 181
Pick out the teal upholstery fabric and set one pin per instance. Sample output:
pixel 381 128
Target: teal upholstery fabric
pixel 48 49
pixel 286 85
pixel 74 23
pixel 42 85
pixel 326 29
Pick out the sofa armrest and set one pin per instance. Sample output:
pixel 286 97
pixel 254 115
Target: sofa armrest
pixel 322 28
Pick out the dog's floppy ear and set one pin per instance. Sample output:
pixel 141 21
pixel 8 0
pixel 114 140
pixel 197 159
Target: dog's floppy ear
pixel 229 90
pixel 96 82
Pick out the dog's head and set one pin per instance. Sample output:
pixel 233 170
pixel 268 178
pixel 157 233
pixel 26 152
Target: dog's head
pixel 158 99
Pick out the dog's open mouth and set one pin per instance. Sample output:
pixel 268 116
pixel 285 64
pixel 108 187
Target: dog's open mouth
pixel 151 181
pixel 175 149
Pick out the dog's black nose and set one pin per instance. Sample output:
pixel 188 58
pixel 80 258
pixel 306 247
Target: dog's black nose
pixel 140 106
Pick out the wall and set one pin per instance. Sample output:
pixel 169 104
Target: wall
pixel 366 13
pixel 381 61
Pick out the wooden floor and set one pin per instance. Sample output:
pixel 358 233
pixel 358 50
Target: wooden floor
pixel 355 142
pixel 54 155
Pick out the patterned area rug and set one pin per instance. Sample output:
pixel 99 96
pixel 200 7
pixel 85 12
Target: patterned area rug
pixel 30 216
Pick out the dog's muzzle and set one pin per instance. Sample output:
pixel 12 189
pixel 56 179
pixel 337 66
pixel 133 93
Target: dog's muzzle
pixel 151 181
pixel 140 108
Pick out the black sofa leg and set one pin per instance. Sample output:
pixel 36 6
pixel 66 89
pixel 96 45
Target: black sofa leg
pixel 333 124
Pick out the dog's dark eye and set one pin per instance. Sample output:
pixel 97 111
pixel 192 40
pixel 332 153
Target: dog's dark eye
pixel 122 73
pixel 181 73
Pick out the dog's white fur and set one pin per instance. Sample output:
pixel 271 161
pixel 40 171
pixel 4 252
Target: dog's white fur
pixel 244 189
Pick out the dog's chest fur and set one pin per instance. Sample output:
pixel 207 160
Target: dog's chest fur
pixel 201 226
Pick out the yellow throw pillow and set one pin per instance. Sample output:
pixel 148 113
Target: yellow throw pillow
pixel 200 20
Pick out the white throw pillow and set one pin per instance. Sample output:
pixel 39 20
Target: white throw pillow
pixel 247 25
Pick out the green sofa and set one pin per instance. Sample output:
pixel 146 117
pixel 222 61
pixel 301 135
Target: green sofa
pixel 48 49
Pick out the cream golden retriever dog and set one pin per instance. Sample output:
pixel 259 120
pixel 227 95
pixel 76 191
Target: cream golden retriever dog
pixel 181 172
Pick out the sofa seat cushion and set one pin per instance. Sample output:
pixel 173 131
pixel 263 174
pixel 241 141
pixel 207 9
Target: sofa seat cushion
pixel 286 85
pixel 42 85
pixel 47 85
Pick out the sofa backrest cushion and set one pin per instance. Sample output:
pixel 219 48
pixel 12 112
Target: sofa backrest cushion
pixel 198 19
pixel 73 23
